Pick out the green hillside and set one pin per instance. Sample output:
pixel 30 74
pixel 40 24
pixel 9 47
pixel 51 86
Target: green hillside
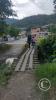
pixel 37 20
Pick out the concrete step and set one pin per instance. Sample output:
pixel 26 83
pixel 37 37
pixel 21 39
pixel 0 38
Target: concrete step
pixel 36 62
pixel 20 62
pixel 25 60
pixel 31 60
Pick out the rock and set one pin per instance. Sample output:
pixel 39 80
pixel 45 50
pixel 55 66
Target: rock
pixel 10 61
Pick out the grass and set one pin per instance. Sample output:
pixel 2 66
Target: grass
pixel 4 47
pixel 5 73
pixel 47 70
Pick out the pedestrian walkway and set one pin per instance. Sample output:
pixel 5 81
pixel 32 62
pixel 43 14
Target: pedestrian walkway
pixel 26 61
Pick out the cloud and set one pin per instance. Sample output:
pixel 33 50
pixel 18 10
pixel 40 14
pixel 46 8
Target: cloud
pixel 26 8
pixel 46 6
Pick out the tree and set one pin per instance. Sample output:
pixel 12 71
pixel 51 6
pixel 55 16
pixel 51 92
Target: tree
pixel 2 27
pixel 5 8
pixel 5 11
pixel 55 5
pixel 52 29
pixel 14 31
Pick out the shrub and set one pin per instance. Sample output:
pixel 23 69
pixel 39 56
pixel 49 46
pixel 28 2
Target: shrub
pixel 5 73
pixel 47 49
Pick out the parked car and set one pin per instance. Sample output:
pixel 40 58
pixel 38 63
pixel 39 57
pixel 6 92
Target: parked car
pixel 5 38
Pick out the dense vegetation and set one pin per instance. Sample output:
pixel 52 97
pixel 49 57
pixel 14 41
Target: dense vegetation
pixel 14 31
pixel 8 30
pixel 5 8
pixel 52 29
pixel 5 11
pixel 47 49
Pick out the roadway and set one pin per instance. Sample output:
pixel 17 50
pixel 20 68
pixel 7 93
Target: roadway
pixel 20 41
pixel 15 50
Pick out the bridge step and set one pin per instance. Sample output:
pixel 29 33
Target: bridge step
pixel 27 61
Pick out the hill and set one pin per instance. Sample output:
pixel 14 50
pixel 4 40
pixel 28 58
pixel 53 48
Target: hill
pixel 37 20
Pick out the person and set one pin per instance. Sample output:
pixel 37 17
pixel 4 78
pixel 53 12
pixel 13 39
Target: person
pixel 33 41
pixel 29 40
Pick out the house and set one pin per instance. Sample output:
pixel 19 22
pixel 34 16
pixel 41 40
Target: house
pixel 35 30
pixel 38 32
pixel 45 28
pixel 22 34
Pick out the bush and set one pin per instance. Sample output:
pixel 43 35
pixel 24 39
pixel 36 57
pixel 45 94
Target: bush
pixel 47 49
pixel 47 70
pixel 5 73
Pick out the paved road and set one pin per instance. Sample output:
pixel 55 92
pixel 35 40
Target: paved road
pixel 21 41
pixel 16 48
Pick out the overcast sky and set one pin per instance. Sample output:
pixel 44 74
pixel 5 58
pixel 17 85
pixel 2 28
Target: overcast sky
pixel 25 8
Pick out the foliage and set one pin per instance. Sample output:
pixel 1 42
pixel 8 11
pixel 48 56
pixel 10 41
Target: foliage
pixel 47 48
pixel 52 28
pixel 3 76
pixel 47 70
pixel 3 27
pixel 14 31
pixel 55 5
pixel 8 29
pixel 5 73
pixel 5 11
pixel 5 8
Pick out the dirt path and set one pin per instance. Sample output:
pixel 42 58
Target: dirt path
pixel 21 87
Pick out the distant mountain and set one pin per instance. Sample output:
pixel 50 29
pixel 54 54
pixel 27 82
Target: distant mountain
pixel 37 20
pixel 11 21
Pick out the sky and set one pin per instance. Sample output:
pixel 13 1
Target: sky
pixel 25 8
